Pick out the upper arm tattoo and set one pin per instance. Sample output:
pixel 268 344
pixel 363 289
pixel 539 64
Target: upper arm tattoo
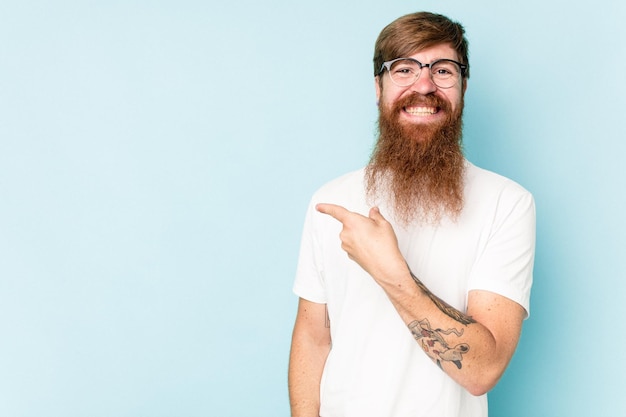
pixel 326 318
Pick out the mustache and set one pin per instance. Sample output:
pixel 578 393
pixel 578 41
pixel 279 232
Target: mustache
pixel 416 99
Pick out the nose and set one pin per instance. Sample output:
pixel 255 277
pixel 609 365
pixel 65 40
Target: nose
pixel 424 83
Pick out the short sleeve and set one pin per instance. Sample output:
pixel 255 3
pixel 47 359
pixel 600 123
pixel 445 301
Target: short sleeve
pixel 505 264
pixel 309 281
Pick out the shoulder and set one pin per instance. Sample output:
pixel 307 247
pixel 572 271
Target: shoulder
pixel 485 183
pixel 347 190
pixel 500 205
pixel 496 196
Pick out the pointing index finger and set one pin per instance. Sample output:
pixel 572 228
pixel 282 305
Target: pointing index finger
pixel 338 212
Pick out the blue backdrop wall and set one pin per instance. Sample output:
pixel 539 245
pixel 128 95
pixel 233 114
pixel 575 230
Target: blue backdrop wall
pixel 156 159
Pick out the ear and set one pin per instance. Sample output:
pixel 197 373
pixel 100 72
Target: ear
pixel 377 87
pixel 464 85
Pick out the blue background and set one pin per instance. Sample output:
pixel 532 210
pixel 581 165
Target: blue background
pixel 156 159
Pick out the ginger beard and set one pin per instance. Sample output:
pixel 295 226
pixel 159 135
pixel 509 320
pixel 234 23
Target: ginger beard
pixel 418 168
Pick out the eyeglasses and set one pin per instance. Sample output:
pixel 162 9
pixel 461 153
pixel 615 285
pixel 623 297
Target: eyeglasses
pixel 403 72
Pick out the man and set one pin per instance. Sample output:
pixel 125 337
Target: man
pixel 415 272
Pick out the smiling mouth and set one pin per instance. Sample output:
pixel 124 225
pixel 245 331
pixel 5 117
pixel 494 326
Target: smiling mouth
pixel 421 111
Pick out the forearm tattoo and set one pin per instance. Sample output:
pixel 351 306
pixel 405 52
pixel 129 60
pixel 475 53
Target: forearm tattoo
pixel 435 346
pixel 442 305
pixel 432 340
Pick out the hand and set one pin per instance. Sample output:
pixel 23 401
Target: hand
pixel 369 241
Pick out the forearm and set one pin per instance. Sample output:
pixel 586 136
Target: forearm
pixel 306 364
pixel 459 344
pixel 310 345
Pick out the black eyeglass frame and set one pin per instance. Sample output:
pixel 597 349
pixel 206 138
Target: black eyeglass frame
pixel 387 65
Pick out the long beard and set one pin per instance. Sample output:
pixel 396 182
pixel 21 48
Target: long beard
pixel 418 169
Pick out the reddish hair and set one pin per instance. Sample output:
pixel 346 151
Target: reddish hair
pixel 413 32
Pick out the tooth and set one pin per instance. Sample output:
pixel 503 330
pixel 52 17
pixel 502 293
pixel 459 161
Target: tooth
pixel 421 110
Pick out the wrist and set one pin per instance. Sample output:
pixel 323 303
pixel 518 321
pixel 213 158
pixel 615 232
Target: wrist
pixel 396 275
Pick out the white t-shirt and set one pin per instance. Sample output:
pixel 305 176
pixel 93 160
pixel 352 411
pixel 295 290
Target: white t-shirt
pixel 375 367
